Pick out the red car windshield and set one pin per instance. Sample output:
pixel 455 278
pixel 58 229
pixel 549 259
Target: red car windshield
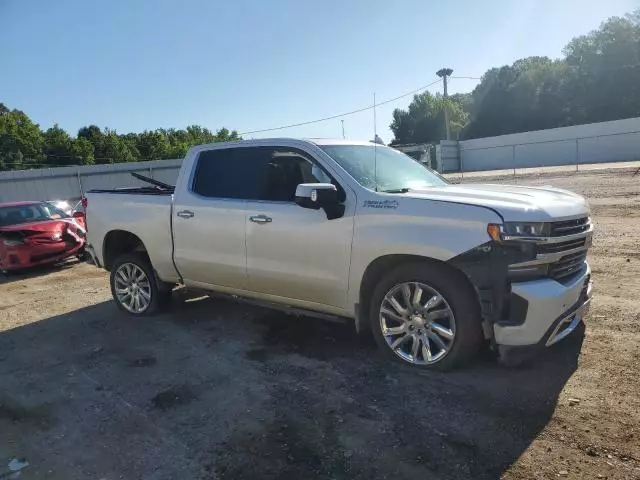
pixel 36 212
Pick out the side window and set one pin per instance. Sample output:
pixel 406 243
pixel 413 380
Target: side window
pixel 256 173
pixel 230 173
pixel 285 170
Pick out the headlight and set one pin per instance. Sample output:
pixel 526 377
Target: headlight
pixel 56 236
pixel 515 230
pixel 13 243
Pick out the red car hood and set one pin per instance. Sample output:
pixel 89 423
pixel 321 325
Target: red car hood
pixel 43 227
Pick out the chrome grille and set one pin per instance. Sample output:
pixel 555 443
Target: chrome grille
pixel 570 227
pixel 567 265
pixel 559 255
pixel 561 246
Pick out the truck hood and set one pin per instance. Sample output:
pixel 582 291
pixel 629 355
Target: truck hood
pixel 513 203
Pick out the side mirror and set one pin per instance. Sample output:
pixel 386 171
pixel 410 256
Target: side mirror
pixel 78 214
pixel 320 195
pixel 316 195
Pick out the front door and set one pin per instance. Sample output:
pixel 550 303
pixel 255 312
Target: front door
pixel 293 252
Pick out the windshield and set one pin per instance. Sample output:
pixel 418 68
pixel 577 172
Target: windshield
pixel 383 168
pixel 36 212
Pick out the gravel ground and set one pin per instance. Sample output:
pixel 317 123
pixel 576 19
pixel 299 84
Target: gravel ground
pixel 214 389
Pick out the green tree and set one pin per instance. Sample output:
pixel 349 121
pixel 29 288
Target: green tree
pixel 115 149
pixel 131 141
pixel 20 140
pixel 224 135
pixel 94 135
pixel 82 151
pixel 153 145
pixel 605 68
pixel 423 121
pixel 57 146
pixel 597 80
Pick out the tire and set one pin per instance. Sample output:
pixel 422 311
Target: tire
pixel 446 317
pixel 139 267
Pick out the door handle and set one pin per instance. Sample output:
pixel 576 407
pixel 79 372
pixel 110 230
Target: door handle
pixel 185 214
pixel 261 219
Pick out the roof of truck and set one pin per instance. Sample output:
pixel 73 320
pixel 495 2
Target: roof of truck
pixel 339 141
pixel 285 140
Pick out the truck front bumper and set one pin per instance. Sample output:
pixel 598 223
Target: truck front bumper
pixel 554 310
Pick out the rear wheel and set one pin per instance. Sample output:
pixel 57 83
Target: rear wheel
pixel 134 286
pixel 426 315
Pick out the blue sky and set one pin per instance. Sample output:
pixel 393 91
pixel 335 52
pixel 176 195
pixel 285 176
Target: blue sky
pixel 133 65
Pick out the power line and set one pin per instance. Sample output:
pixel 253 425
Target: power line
pixel 332 117
pixel 470 78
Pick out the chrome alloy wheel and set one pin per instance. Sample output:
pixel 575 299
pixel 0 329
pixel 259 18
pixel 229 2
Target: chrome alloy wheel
pixel 417 323
pixel 132 288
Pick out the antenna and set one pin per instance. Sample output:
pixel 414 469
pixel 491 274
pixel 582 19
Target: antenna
pixel 375 145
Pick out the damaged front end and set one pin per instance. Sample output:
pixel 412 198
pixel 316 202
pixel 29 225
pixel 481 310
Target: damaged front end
pixel 30 247
pixel 533 283
pixel 487 267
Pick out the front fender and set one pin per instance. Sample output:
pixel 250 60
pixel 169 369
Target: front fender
pixel 422 228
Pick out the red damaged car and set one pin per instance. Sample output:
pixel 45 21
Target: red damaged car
pixel 38 233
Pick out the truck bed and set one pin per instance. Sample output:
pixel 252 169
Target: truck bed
pixel 143 212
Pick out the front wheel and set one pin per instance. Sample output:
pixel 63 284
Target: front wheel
pixel 134 286
pixel 426 315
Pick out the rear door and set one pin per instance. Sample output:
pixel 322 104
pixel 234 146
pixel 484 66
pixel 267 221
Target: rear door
pixel 293 252
pixel 209 219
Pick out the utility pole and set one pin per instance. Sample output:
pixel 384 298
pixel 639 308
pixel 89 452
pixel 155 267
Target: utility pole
pixel 342 128
pixel 444 73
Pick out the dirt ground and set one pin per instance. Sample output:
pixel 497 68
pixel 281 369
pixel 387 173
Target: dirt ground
pixel 214 389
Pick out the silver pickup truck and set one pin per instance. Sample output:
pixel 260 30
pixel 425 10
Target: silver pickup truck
pixel 359 231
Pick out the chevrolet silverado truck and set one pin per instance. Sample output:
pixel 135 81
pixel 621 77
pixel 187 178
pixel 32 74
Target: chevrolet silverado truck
pixel 354 230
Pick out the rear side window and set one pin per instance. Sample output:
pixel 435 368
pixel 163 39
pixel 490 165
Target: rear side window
pixel 230 173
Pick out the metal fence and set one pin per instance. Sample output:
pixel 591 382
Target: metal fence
pixel 571 151
pixel 577 145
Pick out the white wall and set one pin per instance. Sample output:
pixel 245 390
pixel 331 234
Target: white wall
pixel 614 141
pixel 447 156
pixel 592 143
pixel 71 182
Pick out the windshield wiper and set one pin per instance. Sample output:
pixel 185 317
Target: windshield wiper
pixel 396 190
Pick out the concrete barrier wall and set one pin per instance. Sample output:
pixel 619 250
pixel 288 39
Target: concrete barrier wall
pixel 593 143
pixel 447 156
pixel 614 141
pixel 71 182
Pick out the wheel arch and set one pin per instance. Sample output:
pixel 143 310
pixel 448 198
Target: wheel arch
pixel 120 242
pixel 383 264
